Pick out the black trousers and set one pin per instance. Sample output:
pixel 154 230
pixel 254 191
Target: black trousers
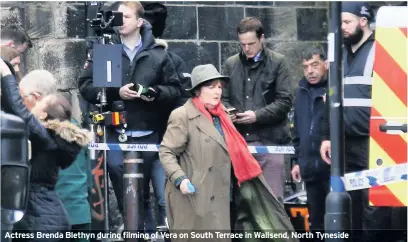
pixel 85 228
pixel 316 204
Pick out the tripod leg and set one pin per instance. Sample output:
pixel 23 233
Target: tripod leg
pixel 106 185
pixel 133 194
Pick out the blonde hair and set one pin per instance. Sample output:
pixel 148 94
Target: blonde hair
pixel 137 6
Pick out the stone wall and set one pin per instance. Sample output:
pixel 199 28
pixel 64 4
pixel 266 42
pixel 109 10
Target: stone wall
pixel 200 32
pixel 208 32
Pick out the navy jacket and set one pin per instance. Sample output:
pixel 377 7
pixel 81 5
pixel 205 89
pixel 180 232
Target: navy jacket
pixel 307 137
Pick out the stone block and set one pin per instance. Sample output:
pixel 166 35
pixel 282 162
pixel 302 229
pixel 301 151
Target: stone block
pixel 227 50
pixel 39 20
pixel 293 52
pixel 180 2
pixel 62 58
pixel 10 14
pixel 294 3
pixel 200 2
pixel 60 19
pixel 323 4
pixel 213 2
pixel 195 54
pixel 74 59
pixel 178 27
pixel 31 58
pixel 75 21
pixel 12 4
pixel 219 23
pixel 279 23
pixel 312 24
pixel 255 3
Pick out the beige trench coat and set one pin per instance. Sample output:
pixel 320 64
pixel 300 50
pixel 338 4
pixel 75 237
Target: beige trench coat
pixel 204 159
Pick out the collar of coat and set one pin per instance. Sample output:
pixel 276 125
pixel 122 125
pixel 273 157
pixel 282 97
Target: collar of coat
pixel 204 124
pixel 69 132
pixel 162 43
pixel 145 33
pixel 193 112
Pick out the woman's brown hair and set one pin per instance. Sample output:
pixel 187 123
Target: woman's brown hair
pixel 58 107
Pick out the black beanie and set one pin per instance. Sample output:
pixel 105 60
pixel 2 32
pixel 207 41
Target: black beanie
pixel 360 9
pixel 156 14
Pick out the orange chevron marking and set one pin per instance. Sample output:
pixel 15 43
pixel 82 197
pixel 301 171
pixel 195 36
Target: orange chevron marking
pixel 384 197
pixel 395 79
pixel 404 31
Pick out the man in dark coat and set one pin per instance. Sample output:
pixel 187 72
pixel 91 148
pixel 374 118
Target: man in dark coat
pixel 308 116
pixel 144 63
pixel 261 92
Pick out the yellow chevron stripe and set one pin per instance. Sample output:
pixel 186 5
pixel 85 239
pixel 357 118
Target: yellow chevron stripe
pixel 386 102
pixel 395 43
pixel 376 152
pixel 400 191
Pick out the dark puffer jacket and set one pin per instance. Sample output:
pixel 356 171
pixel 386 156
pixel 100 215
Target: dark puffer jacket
pixel 45 211
pixel 185 81
pixel 52 147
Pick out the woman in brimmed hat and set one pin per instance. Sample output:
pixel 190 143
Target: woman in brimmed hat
pixel 203 191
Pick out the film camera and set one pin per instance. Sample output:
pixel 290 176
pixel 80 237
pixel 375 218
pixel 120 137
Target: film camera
pixel 104 22
pixel 107 67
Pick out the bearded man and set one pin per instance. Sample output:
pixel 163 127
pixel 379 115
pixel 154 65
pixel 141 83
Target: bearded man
pixel 368 223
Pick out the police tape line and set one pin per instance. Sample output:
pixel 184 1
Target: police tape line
pixel 155 148
pixel 351 181
pixel 375 177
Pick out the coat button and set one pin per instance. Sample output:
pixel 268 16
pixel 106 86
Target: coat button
pixel 212 198
pixel 207 140
pixel 210 168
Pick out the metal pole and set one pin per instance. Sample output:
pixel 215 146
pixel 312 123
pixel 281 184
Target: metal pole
pixel 338 201
pixel 103 102
pixel 133 195
pixel 106 184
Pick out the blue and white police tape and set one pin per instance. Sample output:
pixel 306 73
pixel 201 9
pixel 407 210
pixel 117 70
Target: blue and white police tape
pixel 350 182
pixel 375 177
pixel 155 148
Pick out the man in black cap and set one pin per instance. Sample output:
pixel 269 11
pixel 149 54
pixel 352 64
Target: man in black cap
pixel 358 61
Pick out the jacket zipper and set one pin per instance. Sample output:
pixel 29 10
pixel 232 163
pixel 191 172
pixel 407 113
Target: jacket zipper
pixel 311 111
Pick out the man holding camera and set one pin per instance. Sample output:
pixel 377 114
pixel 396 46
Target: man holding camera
pixel 149 82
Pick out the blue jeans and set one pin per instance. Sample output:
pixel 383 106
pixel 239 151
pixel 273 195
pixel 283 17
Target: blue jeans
pixel 152 170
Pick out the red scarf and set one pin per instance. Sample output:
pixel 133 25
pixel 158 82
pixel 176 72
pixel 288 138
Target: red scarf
pixel 244 164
